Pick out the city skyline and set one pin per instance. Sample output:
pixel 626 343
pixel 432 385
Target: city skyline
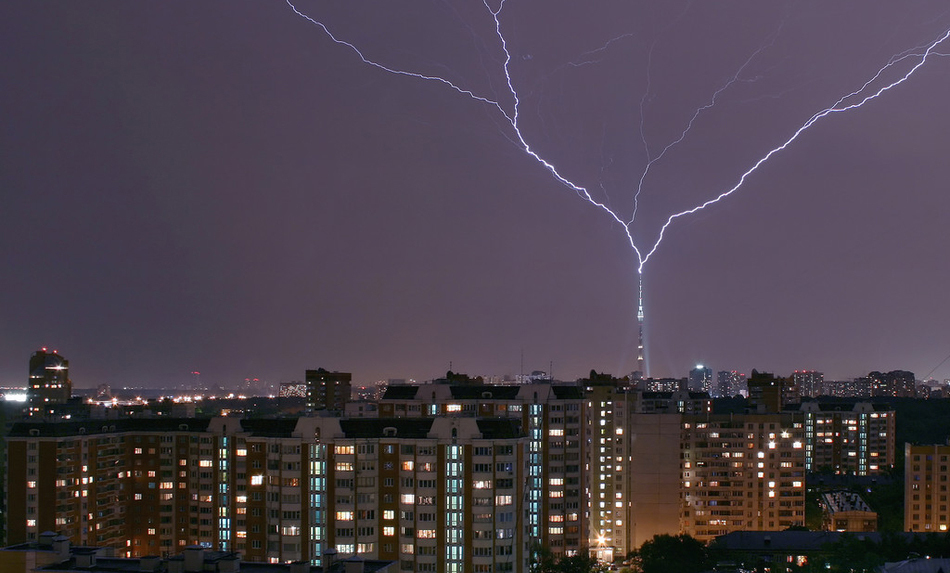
pixel 233 193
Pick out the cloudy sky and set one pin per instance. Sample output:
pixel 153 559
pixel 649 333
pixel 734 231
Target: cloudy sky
pixel 219 186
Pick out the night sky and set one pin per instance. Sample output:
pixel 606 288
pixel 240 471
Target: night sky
pixel 218 186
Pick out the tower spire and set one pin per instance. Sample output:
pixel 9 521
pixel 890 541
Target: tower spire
pixel 641 359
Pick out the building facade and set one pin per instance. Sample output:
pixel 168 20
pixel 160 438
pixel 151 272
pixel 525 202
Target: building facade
pixel 327 390
pixel 742 472
pixel 810 383
pixel 49 384
pixel 700 379
pixel 730 383
pixel 855 439
pixel 438 494
pixel 554 420
pixel 926 479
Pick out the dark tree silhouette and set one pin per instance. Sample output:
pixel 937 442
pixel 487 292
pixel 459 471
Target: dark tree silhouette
pixel 671 554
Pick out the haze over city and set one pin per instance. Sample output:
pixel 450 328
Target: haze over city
pixel 221 187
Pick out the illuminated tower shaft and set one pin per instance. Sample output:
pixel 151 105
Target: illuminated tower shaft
pixel 641 359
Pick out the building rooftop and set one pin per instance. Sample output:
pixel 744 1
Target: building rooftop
pixel 485 392
pixel 270 427
pixel 500 429
pixel 99 426
pixel 840 501
pixel 376 427
pixel 400 392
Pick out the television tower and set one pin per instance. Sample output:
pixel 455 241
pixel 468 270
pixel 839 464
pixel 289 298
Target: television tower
pixel 641 360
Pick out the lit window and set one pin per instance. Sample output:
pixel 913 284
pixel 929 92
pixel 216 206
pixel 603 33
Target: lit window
pixel 257 480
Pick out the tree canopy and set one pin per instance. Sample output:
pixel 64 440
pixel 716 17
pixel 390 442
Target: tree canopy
pixel 671 554
pixel 547 562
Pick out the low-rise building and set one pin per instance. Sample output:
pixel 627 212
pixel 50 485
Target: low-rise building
pixel 846 511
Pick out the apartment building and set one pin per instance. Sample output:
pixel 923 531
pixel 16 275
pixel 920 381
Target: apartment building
pixel 553 418
pixel 926 478
pixel 855 439
pixel 634 462
pixel 741 472
pixel 445 494
pixel 652 482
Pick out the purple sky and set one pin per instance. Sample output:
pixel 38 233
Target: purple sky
pixel 218 186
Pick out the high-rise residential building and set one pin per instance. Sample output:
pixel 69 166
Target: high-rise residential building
pixel 729 384
pixel 610 405
pixel 49 383
pixel 896 383
pixel 634 462
pixel 926 478
pixel 742 472
pixel 857 439
pixel 445 494
pixel 650 480
pixel 769 393
pixel 810 383
pixel 327 390
pixel 553 418
pixel 661 384
pixel 700 379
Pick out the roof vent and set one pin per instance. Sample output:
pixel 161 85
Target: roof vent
pixel 389 432
pixel 85 558
pixel 149 563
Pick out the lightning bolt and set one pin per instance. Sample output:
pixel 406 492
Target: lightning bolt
pixel 839 106
pixel 848 102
